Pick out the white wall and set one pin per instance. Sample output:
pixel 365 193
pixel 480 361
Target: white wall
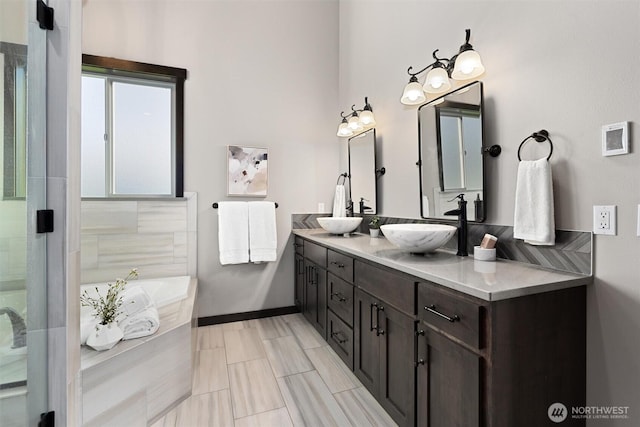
pixel 260 73
pixel 565 66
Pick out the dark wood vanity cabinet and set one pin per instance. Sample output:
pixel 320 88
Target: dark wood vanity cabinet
pixel 384 342
pixel 298 296
pixel 449 358
pixel 500 363
pixel 436 357
pixel 315 305
pixel 340 297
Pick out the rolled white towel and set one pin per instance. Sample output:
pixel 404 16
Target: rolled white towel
pixel 141 324
pixel 135 300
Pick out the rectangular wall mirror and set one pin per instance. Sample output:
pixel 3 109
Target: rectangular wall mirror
pixel 450 138
pixel 362 171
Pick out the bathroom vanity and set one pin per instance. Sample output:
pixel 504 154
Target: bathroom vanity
pixel 441 340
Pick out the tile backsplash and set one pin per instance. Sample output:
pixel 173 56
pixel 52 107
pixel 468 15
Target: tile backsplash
pixel 156 236
pixel 571 253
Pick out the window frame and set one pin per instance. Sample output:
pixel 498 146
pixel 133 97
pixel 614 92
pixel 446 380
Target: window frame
pixel 130 71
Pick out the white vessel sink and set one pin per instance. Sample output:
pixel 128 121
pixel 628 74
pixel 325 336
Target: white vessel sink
pixel 339 225
pixel 418 238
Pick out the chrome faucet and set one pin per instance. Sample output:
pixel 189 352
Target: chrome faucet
pixel 18 325
pixel 461 212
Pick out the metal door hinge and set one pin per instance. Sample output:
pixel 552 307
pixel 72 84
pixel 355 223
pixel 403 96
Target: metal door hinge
pixel 44 15
pixel 47 419
pixel 44 221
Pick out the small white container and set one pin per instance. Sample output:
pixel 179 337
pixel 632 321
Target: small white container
pixel 482 254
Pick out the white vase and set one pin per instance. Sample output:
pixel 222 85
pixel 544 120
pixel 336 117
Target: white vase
pixel 104 337
pixel 374 232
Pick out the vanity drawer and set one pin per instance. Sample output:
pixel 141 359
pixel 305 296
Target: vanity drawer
pixel 315 253
pixel 340 298
pixel 451 313
pixel 340 337
pixel 395 289
pixel 298 244
pixel 340 265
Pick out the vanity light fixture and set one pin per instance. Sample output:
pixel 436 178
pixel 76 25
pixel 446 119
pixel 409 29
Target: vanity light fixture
pixel 357 121
pixel 465 65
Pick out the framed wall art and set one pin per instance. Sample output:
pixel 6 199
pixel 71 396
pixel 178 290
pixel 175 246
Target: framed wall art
pixel 247 171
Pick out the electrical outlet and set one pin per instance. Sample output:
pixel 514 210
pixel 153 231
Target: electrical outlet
pixel 604 220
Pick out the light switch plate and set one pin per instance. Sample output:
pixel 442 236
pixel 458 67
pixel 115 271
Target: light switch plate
pixel 638 226
pixel 604 220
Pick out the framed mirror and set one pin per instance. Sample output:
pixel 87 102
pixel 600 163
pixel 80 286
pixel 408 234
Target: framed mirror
pixel 450 144
pixel 362 171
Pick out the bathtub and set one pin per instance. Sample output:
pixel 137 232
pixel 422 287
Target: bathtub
pixel 163 292
pixel 139 380
pixel 13 361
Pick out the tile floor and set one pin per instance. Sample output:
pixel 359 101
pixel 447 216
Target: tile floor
pixel 272 372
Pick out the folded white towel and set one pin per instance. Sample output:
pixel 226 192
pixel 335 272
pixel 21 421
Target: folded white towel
pixel 263 241
pixel 140 325
pixel 339 202
pixel 233 232
pixel 134 300
pixel 534 213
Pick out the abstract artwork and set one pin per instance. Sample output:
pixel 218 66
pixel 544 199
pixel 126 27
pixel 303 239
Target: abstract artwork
pixel 247 171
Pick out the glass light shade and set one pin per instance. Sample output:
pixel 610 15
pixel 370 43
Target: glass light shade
pixel 413 94
pixel 367 119
pixel 468 65
pixel 437 81
pixel 344 131
pixel 354 123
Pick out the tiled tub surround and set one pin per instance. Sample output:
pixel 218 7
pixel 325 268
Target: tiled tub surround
pixel 572 252
pixel 489 281
pixel 156 236
pixel 139 380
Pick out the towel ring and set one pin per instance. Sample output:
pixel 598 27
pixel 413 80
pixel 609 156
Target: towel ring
pixel 344 176
pixel 541 136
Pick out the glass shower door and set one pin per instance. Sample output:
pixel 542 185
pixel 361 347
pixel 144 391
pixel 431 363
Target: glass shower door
pixel 23 298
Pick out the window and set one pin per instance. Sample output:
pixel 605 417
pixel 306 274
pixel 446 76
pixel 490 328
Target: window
pixel 132 128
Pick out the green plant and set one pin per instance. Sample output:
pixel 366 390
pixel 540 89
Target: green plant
pixel 107 308
pixel 374 222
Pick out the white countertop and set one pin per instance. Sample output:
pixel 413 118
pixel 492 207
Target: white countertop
pixel 489 281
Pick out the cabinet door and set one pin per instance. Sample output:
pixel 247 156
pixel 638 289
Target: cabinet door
pixel 448 382
pixel 315 304
pixel 299 283
pixel 310 310
pixel 321 309
pixel 397 365
pixel 366 357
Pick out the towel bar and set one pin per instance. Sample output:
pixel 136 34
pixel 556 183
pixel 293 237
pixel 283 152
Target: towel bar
pixel 215 205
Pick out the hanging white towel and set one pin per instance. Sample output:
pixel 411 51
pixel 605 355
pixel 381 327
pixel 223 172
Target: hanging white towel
pixel 534 213
pixel 263 242
pixel 339 202
pixel 233 232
